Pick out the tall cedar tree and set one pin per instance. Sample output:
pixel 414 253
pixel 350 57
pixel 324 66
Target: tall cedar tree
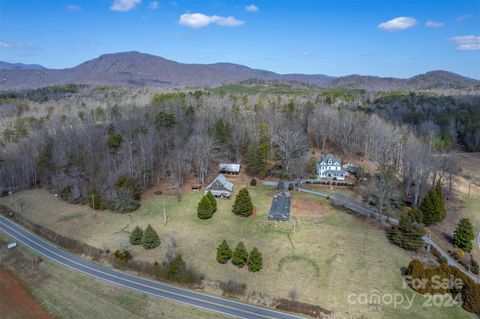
pixel 440 204
pixel 433 206
pixel 205 208
pixel 243 204
pixel 224 253
pixel 150 238
pixel 136 237
pixel 212 200
pixel 240 255
pixel 255 260
pixel 407 235
pixel 464 235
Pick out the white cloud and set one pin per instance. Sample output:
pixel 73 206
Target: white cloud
pixel 463 17
pixel 154 5
pixel 74 7
pixel 397 24
pixel 200 20
pixel 467 42
pixel 124 5
pixel 434 24
pixel 5 45
pixel 251 8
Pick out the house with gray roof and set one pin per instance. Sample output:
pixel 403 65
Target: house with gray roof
pixel 330 167
pixel 220 187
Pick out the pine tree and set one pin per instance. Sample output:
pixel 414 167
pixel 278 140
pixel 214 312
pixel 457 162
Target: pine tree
pixel 213 201
pixel 136 237
pixel 464 235
pixel 440 209
pixel 407 235
pixel 205 208
pixel 433 207
pixel 243 204
pixel 150 238
pixel 224 253
pixel 255 260
pixel 240 255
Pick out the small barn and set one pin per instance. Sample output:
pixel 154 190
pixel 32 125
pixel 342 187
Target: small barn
pixel 220 187
pixel 225 168
pixel 280 209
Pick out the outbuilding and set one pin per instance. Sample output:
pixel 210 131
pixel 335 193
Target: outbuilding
pixel 220 187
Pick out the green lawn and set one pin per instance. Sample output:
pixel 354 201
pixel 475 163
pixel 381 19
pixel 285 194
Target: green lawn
pixel 327 257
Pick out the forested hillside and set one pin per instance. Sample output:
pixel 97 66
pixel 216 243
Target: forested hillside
pixel 102 145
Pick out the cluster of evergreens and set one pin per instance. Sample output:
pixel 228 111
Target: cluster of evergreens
pixel 207 206
pixel 240 256
pixel 148 239
pixel 408 235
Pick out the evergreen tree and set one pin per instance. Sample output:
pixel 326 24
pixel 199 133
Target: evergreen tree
pixel 212 200
pixel 205 208
pixel 240 255
pixel 255 260
pixel 136 237
pixel 464 235
pixel 243 205
pixel 150 238
pixel 440 209
pixel 224 253
pixel 433 206
pixel 256 163
pixel 407 235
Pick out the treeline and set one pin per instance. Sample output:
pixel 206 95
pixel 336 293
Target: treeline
pixel 443 121
pixel 105 156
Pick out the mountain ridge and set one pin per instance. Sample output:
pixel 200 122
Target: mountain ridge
pixel 140 69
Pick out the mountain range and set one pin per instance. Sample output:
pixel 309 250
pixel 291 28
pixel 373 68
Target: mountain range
pixel 146 70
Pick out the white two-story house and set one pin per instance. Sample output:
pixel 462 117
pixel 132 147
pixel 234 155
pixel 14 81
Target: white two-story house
pixel 330 167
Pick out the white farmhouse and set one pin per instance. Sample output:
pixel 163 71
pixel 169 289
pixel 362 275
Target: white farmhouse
pixel 330 167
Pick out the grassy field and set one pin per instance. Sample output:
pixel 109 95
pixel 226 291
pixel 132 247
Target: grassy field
pixel 325 257
pixel 65 293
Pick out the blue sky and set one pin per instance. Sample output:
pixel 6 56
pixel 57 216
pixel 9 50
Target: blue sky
pixel 386 38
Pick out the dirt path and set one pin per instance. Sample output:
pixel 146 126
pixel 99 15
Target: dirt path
pixel 15 302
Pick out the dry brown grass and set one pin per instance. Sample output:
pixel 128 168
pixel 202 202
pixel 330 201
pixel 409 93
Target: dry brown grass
pixel 352 256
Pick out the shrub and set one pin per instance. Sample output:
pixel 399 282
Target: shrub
pixel 240 255
pixel 205 208
pixel 474 266
pixel 123 257
pixel 129 183
pixel 407 235
pixel 470 291
pixel 177 271
pixel 136 237
pixel 290 187
pixel 243 205
pixel 255 261
pixel 96 201
pixel 253 182
pixel 150 238
pixel 65 193
pixel 232 287
pixel 212 200
pixel 224 253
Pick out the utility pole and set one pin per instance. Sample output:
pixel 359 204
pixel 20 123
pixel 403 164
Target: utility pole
pixel 469 185
pixel 164 214
pixel 427 252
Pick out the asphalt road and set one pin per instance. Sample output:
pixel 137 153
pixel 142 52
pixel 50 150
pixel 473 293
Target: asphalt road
pixel 195 299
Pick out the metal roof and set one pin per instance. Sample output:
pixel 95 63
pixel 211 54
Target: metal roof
pixel 226 167
pixel 223 180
